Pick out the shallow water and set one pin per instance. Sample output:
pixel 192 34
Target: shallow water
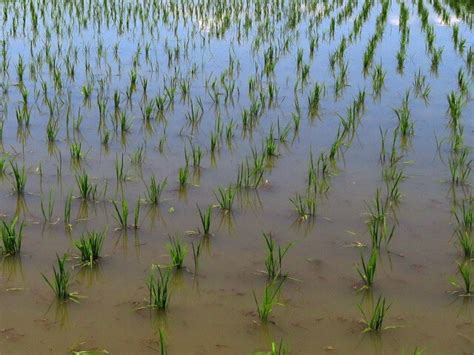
pixel 213 311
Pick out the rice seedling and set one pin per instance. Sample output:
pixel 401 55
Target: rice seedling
pixel 276 349
pixel 159 291
pixel 275 255
pixel 48 210
pixel 138 156
pixel 60 282
pixel 177 252
pixel 405 123
pixel 305 206
pixel 205 218
pixel 12 236
pixel 121 213
pixel 269 299
pixel 367 269
pixel 464 270
pixel 225 197
pixel 197 155
pixel 87 190
pixel 120 173
pixel 154 190
pixel 52 130
pixel 75 149
pixel 136 214
pixel 466 243
pixel 20 178
pixel 465 217
pixel 90 247
pixel 67 210
pixel 375 320
pixel 196 254
pixel 183 174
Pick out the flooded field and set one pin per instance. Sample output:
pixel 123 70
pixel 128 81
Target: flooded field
pixel 236 177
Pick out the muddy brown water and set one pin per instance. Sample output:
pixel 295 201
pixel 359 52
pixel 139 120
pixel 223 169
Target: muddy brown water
pixel 214 311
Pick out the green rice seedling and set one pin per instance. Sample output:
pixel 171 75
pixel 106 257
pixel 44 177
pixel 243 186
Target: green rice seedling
pixel 276 349
pixel 270 296
pixel 60 282
pixel 367 270
pixel 271 146
pixel 393 186
pixel 87 190
pixel 86 91
pixel 52 130
pixel 214 141
pixel 377 223
pixel 136 214
pixel 378 79
pixel 154 190
pixel 460 167
pixel 67 210
pixel 196 254
pixel 90 247
pixel 120 173
pixel 465 271
pixel 465 217
pixel 77 121
pixel 275 255
pixel 197 155
pixel 23 116
pixel 405 123
pixel 75 149
pixel 20 178
pixel 138 156
pixel 375 321
pixel 463 83
pixel 177 252
pixel 159 289
pixel 314 98
pixel 183 174
pixel 121 213
pixel 225 197
pixel 466 243
pixel 48 210
pixel 305 206
pixel 455 106
pixel 125 123
pixel 436 57
pixel 205 219
pixel 11 237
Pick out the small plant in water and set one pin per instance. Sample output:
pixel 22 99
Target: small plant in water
pixel 159 289
pixel 225 197
pixel 205 218
pixel 367 270
pixel 121 213
pixel 20 178
pixel 177 252
pixel 275 255
pixel 90 246
pixel 270 295
pixel 465 271
pixel 11 237
pixel 60 282
pixel 375 321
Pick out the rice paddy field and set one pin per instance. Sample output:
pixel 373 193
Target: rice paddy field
pixel 236 177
